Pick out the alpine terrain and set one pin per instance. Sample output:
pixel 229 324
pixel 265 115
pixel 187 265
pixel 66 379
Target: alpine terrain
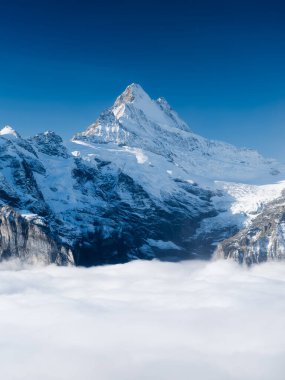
pixel 138 183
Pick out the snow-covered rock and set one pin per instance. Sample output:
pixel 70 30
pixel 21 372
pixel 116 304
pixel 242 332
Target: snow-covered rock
pixel 8 130
pixel 262 240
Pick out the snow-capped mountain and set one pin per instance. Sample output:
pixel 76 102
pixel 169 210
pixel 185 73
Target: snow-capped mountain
pixel 138 183
pixel 148 127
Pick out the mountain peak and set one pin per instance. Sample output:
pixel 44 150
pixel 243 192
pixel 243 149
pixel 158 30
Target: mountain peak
pixel 134 92
pixel 8 130
pixel 134 119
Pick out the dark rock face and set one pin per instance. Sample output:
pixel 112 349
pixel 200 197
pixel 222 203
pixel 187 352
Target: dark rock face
pixel 123 233
pixel 29 240
pixel 19 164
pixel 120 229
pixel 263 240
pixel 49 143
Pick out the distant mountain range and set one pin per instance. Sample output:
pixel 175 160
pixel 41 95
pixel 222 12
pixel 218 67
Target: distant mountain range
pixel 138 183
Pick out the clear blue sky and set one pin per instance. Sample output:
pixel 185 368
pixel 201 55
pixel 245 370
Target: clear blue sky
pixel 220 64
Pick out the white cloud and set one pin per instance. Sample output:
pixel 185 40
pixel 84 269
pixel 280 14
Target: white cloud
pixel 143 321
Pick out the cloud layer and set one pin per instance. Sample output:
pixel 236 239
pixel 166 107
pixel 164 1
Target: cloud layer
pixel 143 321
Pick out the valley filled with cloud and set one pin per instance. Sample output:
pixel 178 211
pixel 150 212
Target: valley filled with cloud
pixel 143 320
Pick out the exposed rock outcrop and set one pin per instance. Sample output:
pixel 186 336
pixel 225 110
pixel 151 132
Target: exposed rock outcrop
pixel 30 240
pixel 263 240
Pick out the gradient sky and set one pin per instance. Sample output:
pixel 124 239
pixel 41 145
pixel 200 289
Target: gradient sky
pixel 220 64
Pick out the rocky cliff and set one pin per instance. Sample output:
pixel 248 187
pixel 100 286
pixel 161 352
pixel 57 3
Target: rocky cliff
pixel 30 240
pixel 263 240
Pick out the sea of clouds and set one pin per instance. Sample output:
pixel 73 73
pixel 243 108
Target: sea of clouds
pixel 143 321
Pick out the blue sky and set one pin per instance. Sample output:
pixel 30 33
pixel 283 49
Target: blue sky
pixel 220 64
